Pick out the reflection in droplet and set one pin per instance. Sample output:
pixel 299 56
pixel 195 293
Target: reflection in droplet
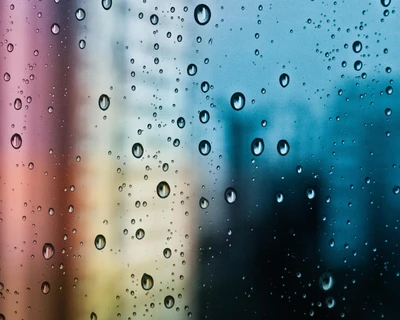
pixel 326 281
pixel 55 28
pixel 169 302
pixel 17 104
pixel 283 147
pixel 357 46
pixel 205 86
pixel 204 147
pixel 80 14
pixel 163 189
pixel 167 253
pixel 257 146
pixel 203 203
pixel 284 80
pixel 16 141
pixel 104 102
pixel 137 150
pixel 45 287
pixel 191 69
pixel 238 101
pixel 310 193
pixel 93 316
pixel 230 195
pixel 358 65
pixel 204 116
pixel 106 4
pixel 154 19
pixel 279 197
pixel 48 251
pixel 147 281
pixel 100 242
pixel 202 14
pixel 140 234
pixel 181 122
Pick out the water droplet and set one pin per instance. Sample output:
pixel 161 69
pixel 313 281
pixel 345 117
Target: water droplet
pixel 10 47
pixel 82 44
pixel 137 150
pixel 386 3
pixel 191 69
pixel 100 242
pixel 140 234
pixel 230 195
pixel 204 116
pixel 357 46
pixel 389 90
pixel 238 101
pixel 205 86
pixel 154 19
pixel 388 69
pixel 326 281
pixel 279 197
pixel 106 4
pixel 2 317
pixel 332 243
pixel 55 28
pixel 167 253
pixel 203 203
pixel 7 77
pixel 388 111
pixel 93 316
pixel 104 102
pixel 169 302
pixel 299 169
pixel 204 147
pixel 284 80
pixel 16 141
pixel 202 14
pixel 330 302
pixel 283 147
pixel 165 167
pixel 80 14
pixel 358 65
pixel 396 189
pixel 257 146
pixel 163 189
pixel 147 281
pixel 181 122
pixel 48 251
pixel 17 104
pixel 45 287
pixel 264 123
pixel 310 193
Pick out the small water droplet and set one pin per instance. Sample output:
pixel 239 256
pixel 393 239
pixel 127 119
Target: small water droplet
pixel 389 90
pixel 104 102
pixel 230 195
pixel 332 243
pixel 93 316
pixel 205 86
pixel 169 302
pixel 283 147
pixel 181 122
pixel 310 193
pixel 147 281
pixel 396 189
pixel 48 251
pixel 284 80
pixel 163 189
pixel 167 253
pixel 238 101
pixel 330 302
pixel 10 47
pixel 82 44
pixel 7 77
pixel 202 14
pixel 386 3
pixel 55 28
pixel 80 14
pixel 137 150
pixel 140 234
pixel 100 242
pixel 45 287
pixel 106 4
pixel 154 19
pixel 204 147
pixel 204 116
pixel 357 46
pixel 17 104
pixel 279 197
pixel 326 281
pixel 16 141
pixel 191 69
pixel 203 203
pixel 358 65
pixel 299 169
pixel 257 146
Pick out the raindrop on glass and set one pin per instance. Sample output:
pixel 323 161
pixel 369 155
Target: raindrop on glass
pixel 140 234
pixel 357 46
pixel 326 281
pixel 147 281
pixel 137 150
pixel 154 19
pixel 230 195
pixel 104 102
pixel 82 44
pixel 238 101
pixel 310 193
pixel 181 122
pixel 80 14
pixel 284 80
pixel 205 86
pixel 257 146
pixel 191 69
pixel 169 302
pixel 204 116
pixel 7 77
pixel 55 28
pixel 204 147
pixel 202 14
pixel 17 104
pixel 358 65
pixel 45 287
pixel 163 189
pixel 48 251
pixel 330 302
pixel 203 203
pixel 167 253
pixel 279 197
pixel 10 47
pixel 386 3
pixel 16 141
pixel 106 4
pixel 283 147
pixel 332 243
pixel 93 316
pixel 396 189
pixel 100 242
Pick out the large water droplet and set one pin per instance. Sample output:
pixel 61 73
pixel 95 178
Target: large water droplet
pixel 283 147
pixel 137 150
pixel 357 46
pixel 100 242
pixel 140 234
pixel 204 116
pixel 80 14
pixel 45 287
pixel 48 251
pixel 238 101
pixel 202 14
pixel 181 122
pixel 203 203
pixel 167 253
pixel 147 281
pixel 257 146
pixel 16 141
pixel 169 302
pixel 284 80
pixel 386 3
pixel 104 102
pixel 396 189
pixel 93 316
pixel 205 86
pixel 204 147
pixel 326 281
pixel 17 104
pixel 279 197
pixel 163 189
pixel 191 69
pixel 154 19
pixel 230 195
pixel 106 4
pixel 55 28
pixel 82 44
pixel 358 65
pixel 310 193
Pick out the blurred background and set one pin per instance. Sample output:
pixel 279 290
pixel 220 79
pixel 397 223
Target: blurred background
pixel 220 160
